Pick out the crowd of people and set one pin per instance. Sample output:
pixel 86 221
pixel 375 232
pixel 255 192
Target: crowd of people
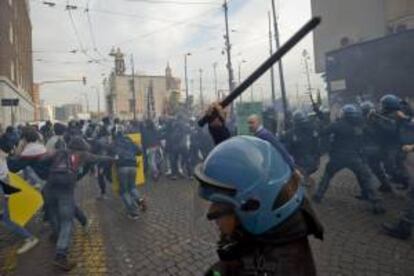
pixel 54 157
pixel 257 185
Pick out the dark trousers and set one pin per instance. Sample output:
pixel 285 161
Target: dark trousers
pixel 374 163
pixel 103 171
pixel 357 166
pixel 393 165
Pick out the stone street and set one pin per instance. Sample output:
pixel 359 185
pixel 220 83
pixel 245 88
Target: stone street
pixel 166 241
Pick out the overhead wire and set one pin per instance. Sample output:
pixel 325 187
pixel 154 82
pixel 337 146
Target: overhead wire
pixel 164 28
pixel 91 32
pixel 172 2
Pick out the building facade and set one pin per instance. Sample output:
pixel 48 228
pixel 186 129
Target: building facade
pixel 345 23
pixel 68 112
pixel 151 94
pixel 16 68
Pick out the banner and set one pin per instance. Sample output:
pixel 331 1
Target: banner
pixel 140 178
pixel 23 205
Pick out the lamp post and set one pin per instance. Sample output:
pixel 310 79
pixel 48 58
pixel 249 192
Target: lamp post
pixel 240 63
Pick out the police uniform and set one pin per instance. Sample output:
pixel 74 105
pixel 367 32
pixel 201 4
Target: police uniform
pixel 249 174
pixel 302 142
pixel 345 152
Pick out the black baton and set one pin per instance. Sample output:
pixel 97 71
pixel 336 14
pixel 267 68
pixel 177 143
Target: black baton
pixel 307 28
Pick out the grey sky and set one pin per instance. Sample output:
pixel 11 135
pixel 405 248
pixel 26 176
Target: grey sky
pixel 157 33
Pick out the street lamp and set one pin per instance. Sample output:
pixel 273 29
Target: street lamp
pixel 186 77
pixel 215 79
pixel 306 58
pixel 87 101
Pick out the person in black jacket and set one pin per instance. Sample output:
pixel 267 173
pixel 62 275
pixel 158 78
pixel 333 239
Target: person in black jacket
pixel 303 143
pixel 126 162
pixel 346 152
pixel 259 206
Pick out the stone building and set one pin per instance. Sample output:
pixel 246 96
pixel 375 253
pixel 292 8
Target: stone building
pixel 151 93
pixel 16 68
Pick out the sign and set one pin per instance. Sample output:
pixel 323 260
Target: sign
pixel 338 85
pixel 9 102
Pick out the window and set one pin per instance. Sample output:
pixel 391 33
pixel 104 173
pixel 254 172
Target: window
pixel 12 75
pixel 11 34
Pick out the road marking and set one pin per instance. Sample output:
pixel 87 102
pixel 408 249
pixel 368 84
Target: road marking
pixel 88 249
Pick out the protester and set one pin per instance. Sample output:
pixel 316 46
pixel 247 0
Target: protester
pixel 126 162
pixel 6 190
pixel 59 194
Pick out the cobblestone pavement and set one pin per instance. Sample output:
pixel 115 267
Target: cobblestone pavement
pixel 164 241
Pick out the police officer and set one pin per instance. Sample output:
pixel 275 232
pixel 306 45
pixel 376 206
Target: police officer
pixel 302 142
pixel 259 206
pixel 389 122
pixel 372 147
pixel 346 134
pixel 402 229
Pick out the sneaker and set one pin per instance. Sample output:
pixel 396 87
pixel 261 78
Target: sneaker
pixel 362 197
pixel 384 188
pixel 378 209
pixel 101 197
pixel 400 230
pixel 63 263
pixel 87 227
pixel 28 244
pixel 316 199
pixel 133 216
pixel 142 204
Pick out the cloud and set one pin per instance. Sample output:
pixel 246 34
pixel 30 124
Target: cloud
pixel 157 33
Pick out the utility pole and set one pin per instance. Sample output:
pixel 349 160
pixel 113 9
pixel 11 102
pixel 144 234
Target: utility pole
pixel 215 79
pixel 201 90
pixel 98 94
pixel 272 71
pixel 228 50
pixel 134 104
pixel 241 98
pixel 281 75
pixel 86 102
pixel 298 103
pixel 240 63
pixel 186 78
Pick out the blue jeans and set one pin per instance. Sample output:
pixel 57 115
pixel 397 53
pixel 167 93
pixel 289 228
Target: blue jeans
pixel 9 224
pixel 128 190
pixel 61 208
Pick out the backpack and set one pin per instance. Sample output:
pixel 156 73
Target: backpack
pixel 125 149
pixel 65 162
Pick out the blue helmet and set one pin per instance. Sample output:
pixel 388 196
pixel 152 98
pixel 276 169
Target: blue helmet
pixel 299 117
pixel 367 107
pixel 351 111
pixel 249 174
pixel 390 103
